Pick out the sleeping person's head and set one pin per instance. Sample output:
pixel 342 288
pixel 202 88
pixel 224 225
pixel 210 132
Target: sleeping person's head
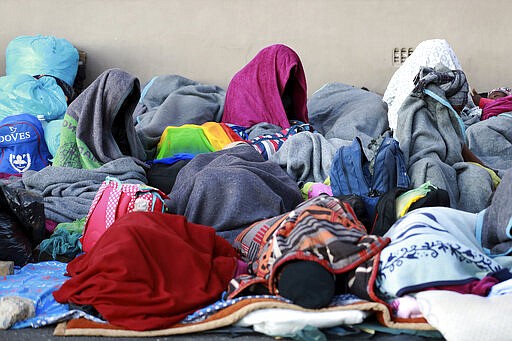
pixel 499 92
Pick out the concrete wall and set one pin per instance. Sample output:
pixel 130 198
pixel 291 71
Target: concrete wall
pixel 349 41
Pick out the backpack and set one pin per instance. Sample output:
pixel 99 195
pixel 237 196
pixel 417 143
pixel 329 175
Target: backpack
pixel 397 202
pixel 352 172
pixel 114 200
pixel 22 144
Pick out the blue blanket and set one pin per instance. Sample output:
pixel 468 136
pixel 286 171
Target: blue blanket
pixel 37 282
pixel 430 247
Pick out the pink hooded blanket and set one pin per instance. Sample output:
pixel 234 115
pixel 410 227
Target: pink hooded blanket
pixel 270 88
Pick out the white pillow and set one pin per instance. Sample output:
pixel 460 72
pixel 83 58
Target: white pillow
pixel 467 317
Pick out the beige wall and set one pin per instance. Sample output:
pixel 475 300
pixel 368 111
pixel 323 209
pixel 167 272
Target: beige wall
pixel 349 41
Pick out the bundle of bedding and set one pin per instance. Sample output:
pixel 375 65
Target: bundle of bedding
pixel 244 241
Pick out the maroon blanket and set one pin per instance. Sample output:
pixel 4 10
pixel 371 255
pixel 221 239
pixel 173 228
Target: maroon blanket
pixel 495 107
pixel 150 270
pixel 270 88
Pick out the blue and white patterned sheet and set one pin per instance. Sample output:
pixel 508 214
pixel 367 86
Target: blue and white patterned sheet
pixel 37 282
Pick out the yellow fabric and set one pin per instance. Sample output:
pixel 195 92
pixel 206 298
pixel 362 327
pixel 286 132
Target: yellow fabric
pixel 405 200
pixel 216 135
pixel 496 180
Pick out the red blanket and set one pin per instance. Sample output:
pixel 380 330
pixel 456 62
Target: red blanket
pixel 150 270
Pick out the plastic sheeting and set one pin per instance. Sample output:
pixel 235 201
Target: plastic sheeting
pixel 42 55
pixel 23 94
pixel 52 135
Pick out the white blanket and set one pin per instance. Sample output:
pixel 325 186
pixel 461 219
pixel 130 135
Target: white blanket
pixel 288 322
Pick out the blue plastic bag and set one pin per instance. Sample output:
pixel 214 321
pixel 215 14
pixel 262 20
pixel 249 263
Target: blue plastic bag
pixel 25 94
pixel 42 55
pixel 52 135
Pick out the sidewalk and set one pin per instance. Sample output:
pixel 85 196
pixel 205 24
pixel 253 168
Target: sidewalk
pixel 46 333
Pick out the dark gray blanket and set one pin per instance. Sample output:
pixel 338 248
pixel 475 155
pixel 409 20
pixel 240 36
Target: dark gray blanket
pixel 495 229
pixel 338 113
pixel 431 136
pixel 98 125
pixel 173 100
pixel 68 192
pixel 491 141
pixel 232 188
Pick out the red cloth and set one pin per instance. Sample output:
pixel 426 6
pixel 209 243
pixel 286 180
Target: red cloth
pixel 150 270
pixel 254 93
pixel 477 287
pixel 484 101
pixel 494 107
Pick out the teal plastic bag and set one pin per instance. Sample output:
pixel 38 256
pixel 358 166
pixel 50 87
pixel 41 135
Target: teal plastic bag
pixel 52 135
pixel 23 94
pixel 42 55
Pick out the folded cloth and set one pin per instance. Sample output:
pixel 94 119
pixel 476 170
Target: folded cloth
pixel 268 144
pixel 270 88
pixel 307 156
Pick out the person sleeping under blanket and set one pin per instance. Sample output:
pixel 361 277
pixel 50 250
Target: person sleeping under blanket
pixel 446 249
pixel 270 88
pixel 432 138
pixel 498 101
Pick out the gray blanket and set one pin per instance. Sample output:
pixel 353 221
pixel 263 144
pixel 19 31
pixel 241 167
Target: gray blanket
pixel 68 192
pixel 232 188
pixel 307 156
pixel 342 111
pixel 338 113
pixel 431 136
pixel 98 125
pixel 491 141
pixel 173 100
pixel 495 230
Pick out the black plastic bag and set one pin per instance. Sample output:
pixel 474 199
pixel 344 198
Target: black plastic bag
pixel 14 244
pixel 28 207
pixel 22 222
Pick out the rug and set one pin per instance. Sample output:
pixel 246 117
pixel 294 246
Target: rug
pixel 227 317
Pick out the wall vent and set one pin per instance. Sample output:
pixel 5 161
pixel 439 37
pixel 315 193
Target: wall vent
pixel 400 54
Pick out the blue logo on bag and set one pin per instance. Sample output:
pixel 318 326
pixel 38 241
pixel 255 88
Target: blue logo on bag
pixel 22 144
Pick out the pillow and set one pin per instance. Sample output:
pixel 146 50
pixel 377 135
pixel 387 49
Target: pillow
pixel 467 317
